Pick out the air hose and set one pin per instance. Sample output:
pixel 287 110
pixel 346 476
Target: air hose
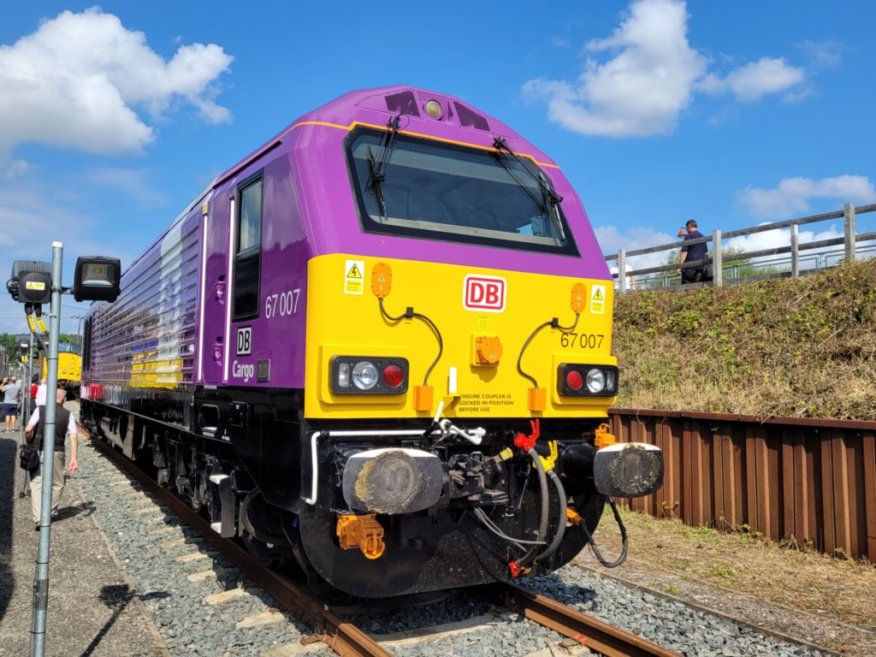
pixel 529 557
pixel 623 530
pixel 561 518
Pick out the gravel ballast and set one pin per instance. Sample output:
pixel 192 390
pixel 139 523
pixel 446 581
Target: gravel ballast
pixel 160 556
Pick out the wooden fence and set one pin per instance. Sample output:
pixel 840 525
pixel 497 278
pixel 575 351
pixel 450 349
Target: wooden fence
pixel 812 482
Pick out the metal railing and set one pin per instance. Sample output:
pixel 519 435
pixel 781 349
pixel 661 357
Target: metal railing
pixel 741 266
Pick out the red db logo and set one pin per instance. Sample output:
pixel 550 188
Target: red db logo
pixel 484 293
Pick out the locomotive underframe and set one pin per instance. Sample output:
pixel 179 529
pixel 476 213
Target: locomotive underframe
pixel 242 458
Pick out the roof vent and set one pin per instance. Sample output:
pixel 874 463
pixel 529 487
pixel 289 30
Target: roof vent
pixel 403 103
pixel 470 119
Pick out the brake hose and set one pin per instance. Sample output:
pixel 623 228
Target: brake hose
pixel 528 558
pixel 561 518
pixel 623 530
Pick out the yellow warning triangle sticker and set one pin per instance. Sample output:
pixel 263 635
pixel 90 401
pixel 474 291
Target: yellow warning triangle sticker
pixel 354 272
pixel 597 294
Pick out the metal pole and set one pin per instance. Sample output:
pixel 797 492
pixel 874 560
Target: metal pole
pixel 795 251
pixel 41 581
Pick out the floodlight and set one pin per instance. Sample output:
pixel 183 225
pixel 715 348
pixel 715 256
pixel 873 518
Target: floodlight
pixel 97 278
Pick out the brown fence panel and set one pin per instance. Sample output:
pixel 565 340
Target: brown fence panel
pixel 868 485
pixel 802 481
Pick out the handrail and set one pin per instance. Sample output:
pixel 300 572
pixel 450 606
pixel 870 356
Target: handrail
pixel 729 261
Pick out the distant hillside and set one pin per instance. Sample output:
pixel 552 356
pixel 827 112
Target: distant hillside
pixel 796 347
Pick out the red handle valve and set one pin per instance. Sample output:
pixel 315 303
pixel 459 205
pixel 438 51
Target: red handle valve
pixel 527 443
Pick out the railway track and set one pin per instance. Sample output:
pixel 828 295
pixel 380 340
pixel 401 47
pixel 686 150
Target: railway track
pixel 348 640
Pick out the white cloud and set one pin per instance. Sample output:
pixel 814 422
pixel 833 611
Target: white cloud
pixel 31 219
pixel 80 79
pixel 135 183
pixel 824 54
pixel 635 237
pixel 638 92
pixel 792 196
pixel 753 81
pixel 780 237
pixel 652 77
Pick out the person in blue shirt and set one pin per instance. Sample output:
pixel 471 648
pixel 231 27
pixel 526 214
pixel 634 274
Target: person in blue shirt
pixel 694 273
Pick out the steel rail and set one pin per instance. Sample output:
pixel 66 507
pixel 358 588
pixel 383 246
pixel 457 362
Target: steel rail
pixel 590 632
pixel 342 637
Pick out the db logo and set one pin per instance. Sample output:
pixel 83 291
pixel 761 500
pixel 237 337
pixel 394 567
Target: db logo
pixel 485 293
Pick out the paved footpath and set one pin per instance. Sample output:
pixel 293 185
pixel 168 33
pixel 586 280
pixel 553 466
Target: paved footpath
pixel 93 611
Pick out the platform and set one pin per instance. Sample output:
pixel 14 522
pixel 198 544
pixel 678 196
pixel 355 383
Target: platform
pixel 93 611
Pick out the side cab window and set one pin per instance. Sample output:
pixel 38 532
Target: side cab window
pixel 248 253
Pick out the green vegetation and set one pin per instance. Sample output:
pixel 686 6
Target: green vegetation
pixel 794 347
pixel 10 352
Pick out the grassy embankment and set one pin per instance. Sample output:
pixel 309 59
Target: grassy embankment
pixel 791 347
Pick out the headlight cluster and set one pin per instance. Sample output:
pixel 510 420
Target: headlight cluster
pixel 587 380
pixel 367 375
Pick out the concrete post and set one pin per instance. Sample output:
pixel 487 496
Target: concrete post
pixel 717 260
pixel 849 212
pixel 621 271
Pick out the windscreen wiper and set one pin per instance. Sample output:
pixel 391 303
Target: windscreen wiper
pixel 549 196
pixel 376 169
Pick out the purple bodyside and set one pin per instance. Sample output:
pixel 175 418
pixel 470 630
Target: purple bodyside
pixel 146 339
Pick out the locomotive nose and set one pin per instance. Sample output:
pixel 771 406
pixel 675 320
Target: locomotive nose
pixel 392 480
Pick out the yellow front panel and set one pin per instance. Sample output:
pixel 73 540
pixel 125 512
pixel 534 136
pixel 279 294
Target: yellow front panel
pixel 344 319
pixel 69 367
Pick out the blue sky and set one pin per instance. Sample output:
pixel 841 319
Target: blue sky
pixel 113 117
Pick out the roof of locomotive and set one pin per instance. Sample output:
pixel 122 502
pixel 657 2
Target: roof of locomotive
pixel 371 105
pixel 460 123
pixel 313 141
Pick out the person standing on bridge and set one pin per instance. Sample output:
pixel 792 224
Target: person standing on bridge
pixel 65 425
pixel 693 253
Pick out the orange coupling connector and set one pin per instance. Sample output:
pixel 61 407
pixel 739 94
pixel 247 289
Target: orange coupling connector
pixel 604 437
pixel 363 532
pixel 516 570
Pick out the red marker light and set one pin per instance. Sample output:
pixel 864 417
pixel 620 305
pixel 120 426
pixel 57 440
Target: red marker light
pixel 574 380
pixel 393 376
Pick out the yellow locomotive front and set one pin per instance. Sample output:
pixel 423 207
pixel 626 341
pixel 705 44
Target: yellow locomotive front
pixel 483 343
pixel 458 367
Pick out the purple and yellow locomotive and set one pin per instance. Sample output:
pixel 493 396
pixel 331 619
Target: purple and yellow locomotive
pixel 381 345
